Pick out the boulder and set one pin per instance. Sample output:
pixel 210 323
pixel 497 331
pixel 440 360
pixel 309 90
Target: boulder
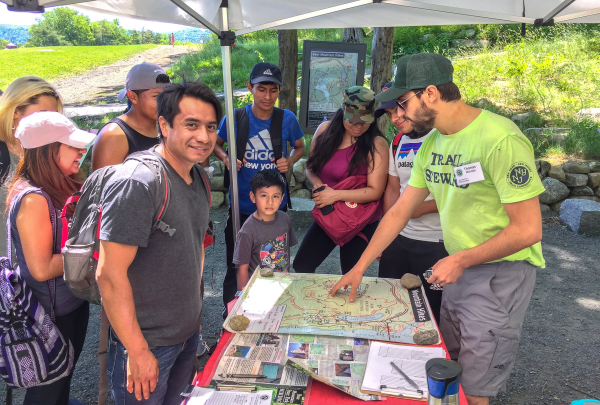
pixel 593 180
pixel 557 173
pixel 583 191
pixel 483 103
pixel 584 197
pixel 556 206
pixel 575 167
pixel 216 184
pixel 595 167
pixel 470 33
pixel 581 216
pixel 300 170
pixel 426 37
pixel 592 113
pixel 555 191
pixel 597 192
pixel 575 180
pixel 544 168
pixel 217 199
pixel 545 209
pixel 298 186
pixel 537 165
pixel 302 193
pixel 292 181
pixel 469 43
pixel 521 117
pixel 308 185
pixel 218 166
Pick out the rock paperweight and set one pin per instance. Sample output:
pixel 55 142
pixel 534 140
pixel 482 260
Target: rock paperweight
pixel 410 281
pixel 426 337
pixel 239 323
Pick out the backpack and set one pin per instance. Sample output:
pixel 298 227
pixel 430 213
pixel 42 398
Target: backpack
pixel 243 132
pixel 348 218
pixel 81 238
pixel 396 143
pixel 33 352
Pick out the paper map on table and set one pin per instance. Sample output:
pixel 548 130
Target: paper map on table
pixel 299 304
pixel 336 361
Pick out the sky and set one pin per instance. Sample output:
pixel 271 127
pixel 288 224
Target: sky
pixel 13 18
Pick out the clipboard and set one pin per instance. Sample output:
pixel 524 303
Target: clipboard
pixel 390 393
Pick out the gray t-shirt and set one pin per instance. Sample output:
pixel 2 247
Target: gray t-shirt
pixel 265 243
pixel 165 274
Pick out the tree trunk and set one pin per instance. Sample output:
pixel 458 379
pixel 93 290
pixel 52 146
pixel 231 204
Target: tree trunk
pixel 288 63
pixel 354 35
pixel 381 64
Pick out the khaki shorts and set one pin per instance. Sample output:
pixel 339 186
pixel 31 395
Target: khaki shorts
pixel 481 320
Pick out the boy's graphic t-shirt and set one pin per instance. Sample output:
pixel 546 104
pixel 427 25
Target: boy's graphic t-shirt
pixel 265 244
pixel 427 227
pixel 473 213
pixel 259 152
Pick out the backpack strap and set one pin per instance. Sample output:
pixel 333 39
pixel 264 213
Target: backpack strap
pixel 242 131
pixel 395 144
pixel 276 132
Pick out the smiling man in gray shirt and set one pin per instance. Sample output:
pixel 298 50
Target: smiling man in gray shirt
pixel 150 281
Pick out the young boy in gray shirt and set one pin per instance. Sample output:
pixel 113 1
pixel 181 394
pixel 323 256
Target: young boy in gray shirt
pixel 266 237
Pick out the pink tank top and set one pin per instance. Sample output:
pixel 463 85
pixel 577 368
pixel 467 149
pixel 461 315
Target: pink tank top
pixel 336 170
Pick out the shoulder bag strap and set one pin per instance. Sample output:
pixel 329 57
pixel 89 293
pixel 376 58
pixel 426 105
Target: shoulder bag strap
pixel 276 132
pixel 242 132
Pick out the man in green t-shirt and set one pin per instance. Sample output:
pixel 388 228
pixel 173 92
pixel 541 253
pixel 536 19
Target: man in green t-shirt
pixel 480 170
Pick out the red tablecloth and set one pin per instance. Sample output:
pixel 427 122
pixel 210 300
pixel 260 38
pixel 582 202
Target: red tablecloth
pixel 317 393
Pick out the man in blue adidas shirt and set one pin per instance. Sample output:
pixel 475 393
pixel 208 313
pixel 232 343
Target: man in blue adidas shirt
pixel 264 84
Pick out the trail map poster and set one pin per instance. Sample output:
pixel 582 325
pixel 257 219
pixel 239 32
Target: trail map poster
pixel 328 69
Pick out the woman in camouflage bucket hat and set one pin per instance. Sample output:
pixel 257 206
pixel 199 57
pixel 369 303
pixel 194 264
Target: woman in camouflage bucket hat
pixel 348 144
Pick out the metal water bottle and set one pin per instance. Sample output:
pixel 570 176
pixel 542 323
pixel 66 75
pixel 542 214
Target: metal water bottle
pixel 443 381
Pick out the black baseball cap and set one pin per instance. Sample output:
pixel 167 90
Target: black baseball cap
pixel 388 104
pixel 266 72
pixel 417 72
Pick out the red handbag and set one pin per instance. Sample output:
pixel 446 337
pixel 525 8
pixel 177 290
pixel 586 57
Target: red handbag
pixel 347 218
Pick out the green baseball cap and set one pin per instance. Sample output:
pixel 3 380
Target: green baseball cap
pixel 358 105
pixel 417 72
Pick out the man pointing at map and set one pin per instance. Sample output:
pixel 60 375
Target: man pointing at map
pixel 480 170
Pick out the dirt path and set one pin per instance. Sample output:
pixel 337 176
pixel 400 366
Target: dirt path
pixel 103 84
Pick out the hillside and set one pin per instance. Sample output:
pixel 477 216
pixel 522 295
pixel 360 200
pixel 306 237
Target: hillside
pixel 16 34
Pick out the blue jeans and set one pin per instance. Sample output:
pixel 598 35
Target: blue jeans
pixel 175 367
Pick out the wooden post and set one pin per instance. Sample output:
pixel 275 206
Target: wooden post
pixel 288 63
pixel 354 35
pixel 381 64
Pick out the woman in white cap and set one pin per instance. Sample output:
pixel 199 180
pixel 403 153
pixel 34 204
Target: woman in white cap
pixel 45 177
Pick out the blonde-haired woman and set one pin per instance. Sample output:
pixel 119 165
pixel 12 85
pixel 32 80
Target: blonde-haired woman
pixel 23 97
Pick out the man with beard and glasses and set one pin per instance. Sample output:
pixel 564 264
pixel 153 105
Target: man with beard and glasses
pixel 420 245
pixel 480 170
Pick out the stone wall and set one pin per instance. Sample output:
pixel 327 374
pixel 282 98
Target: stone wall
pixel 573 180
pixel 300 187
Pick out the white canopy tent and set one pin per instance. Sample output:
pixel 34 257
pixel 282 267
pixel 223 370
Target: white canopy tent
pixel 245 16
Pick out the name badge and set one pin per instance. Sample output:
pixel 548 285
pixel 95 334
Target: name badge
pixel 468 174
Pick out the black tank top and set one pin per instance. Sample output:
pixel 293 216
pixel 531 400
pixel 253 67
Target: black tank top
pixel 136 141
pixel 4 162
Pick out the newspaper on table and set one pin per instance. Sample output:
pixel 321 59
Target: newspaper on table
pixel 262 354
pixel 336 361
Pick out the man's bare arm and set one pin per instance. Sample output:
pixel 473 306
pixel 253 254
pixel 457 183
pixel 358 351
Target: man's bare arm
pixel 524 230
pixel 117 299
pixel 390 226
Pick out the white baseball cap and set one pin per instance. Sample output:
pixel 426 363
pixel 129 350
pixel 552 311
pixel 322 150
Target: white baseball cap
pixel 46 127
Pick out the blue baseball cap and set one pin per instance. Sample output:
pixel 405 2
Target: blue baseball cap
pixel 388 104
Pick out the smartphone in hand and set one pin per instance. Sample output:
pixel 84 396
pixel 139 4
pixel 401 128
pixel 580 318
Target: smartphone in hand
pixel 328 209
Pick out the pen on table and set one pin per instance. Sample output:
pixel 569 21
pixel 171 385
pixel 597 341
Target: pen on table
pixel 407 378
pixel 243 376
pixel 383 391
pixel 244 388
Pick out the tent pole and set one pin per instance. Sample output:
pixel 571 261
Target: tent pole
pixel 229 121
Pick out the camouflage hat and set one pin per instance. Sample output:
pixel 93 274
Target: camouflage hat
pixel 358 105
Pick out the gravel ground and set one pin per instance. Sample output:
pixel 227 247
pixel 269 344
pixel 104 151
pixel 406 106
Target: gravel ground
pixel 557 361
pixel 103 84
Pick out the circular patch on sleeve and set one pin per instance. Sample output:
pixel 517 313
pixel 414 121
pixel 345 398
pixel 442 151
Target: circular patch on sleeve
pixel 519 175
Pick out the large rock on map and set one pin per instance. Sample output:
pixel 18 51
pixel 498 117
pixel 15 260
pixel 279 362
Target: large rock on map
pixel 576 180
pixel 300 170
pixel 581 216
pixel 555 191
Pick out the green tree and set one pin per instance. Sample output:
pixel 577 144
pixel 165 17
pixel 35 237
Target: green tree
pixel 109 33
pixel 73 27
pixel 3 43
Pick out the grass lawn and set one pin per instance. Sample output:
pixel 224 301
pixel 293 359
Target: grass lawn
pixel 61 61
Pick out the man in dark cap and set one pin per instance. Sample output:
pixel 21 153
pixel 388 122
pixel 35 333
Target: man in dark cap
pixel 480 170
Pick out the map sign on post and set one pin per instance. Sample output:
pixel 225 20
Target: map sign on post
pixel 300 304
pixel 328 68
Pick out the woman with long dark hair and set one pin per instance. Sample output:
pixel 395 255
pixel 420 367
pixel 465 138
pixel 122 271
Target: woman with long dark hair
pixel 350 144
pixel 45 177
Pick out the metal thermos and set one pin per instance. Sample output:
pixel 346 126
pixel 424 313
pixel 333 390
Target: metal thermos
pixel 443 381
